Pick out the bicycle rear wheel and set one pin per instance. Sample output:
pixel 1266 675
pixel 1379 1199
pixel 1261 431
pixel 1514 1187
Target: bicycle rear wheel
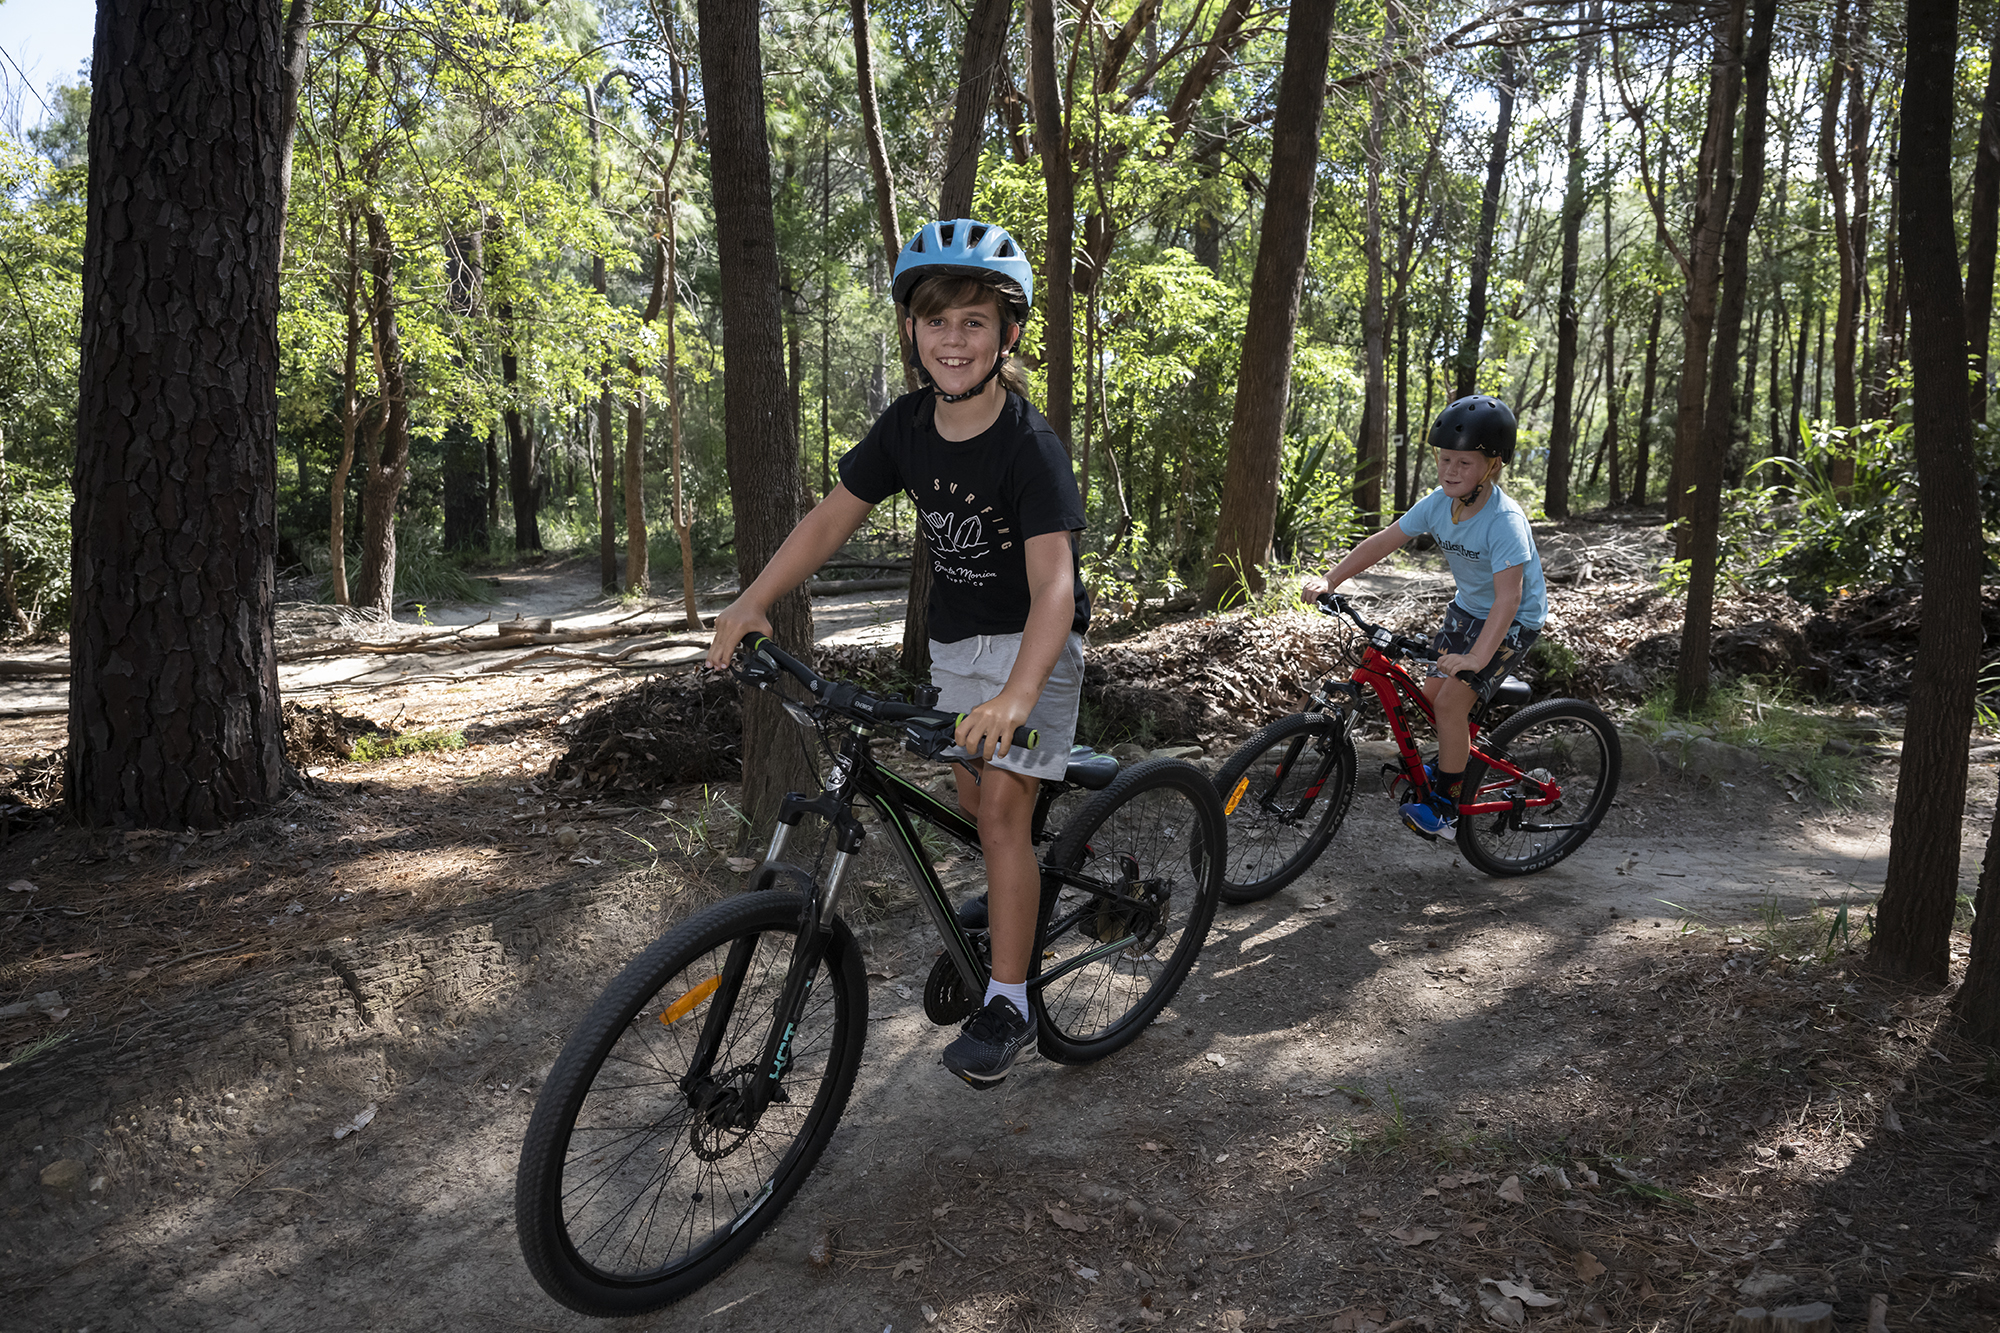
pixel 1284 793
pixel 1112 954
pixel 643 1175
pixel 1563 742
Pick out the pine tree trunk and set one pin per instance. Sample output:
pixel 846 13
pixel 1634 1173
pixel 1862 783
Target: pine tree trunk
pixel 1372 447
pixel 1263 379
pixel 173 719
pixel 1913 919
pixel 758 423
pixel 1704 507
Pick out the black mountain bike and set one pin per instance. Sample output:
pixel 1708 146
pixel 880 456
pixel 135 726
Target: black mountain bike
pixel 695 1096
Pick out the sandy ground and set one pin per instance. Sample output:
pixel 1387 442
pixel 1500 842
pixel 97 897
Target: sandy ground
pixel 1390 1019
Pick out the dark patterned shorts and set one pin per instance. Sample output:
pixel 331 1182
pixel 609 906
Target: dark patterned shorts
pixel 1461 630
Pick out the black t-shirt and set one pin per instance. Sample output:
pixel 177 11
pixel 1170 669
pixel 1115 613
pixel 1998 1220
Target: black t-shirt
pixel 980 500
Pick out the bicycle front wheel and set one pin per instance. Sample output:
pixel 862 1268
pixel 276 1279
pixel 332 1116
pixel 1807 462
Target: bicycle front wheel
pixel 1284 794
pixel 646 1171
pixel 1122 920
pixel 1559 743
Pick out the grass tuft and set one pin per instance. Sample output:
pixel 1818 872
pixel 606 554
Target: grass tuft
pixel 368 749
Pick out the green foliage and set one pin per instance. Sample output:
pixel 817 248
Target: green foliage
pixel 34 532
pixel 1799 532
pixel 368 749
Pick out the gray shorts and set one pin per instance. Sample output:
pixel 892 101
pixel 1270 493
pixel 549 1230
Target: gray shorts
pixel 1461 630
pixel 971 671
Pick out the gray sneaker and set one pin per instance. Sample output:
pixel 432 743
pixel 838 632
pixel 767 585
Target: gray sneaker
pixel 988 1043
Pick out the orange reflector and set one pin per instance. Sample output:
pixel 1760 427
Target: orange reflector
pixel 689 1002
pixel 1242 785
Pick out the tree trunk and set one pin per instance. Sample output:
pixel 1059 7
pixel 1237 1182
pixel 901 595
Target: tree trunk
pixel 1975 1010
pixel 1644 457
pixel 1704 507
pixel 683 521
pixel 607 447
pixel 386 461
pixel 350 422
pixel 1982 227
pixel 763 447
pixel 1482 245
pixel 173 719
pixel 1913 920
pixel 1263 378
pixel 1052 145
pixel 638 558
pixel 978 71
pixel 1847 184
pixel 1715 179
pixel 1563 434
pixel 524 481
pixel 1372 446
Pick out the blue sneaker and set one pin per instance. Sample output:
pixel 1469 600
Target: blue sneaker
pixel 1433 818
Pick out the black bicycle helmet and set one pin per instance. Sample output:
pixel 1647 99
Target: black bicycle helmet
pixel 1477 424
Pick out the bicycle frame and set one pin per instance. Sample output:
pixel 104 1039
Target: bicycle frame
pixel 1398 692
pixel 856 775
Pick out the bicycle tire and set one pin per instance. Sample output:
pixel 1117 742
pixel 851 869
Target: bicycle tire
pixel 627 1197
pixel 1577 746
pixel 1291 784
pixel 1155 835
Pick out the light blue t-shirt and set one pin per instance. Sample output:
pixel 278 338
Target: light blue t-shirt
pixel 1497 537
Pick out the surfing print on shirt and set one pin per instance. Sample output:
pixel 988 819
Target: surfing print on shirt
pixel 978 502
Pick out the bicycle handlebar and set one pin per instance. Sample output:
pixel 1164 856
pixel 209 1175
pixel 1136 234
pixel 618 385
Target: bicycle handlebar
pixel 762 659
pixel 1387 640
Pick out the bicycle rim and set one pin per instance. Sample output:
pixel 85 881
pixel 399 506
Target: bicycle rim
pixel 1560 741
pixel 637 1182
pixel 1285 793
pixel 1151 844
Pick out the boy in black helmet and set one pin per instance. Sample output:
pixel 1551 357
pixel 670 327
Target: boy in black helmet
pixel 1501 601
pixel 1008 611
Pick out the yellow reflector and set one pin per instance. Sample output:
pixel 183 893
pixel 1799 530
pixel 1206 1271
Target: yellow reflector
pixel 689 1002
pixel 1242 785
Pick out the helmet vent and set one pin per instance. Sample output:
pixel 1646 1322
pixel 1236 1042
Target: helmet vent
pixel 975 236
pixel 944 233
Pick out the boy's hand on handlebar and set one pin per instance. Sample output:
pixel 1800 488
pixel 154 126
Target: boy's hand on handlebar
pixel 1311 590
pixel 987 732
pixel 733 623
pixel 1457 665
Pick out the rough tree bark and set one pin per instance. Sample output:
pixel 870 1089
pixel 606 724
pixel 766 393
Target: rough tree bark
pixel 763 447
pixel 385 462
pixel 1982 227
pixel 1913 921
pixel 1052 145
pixel 1566 428
pixel 1703 507
pixel 1263 377
pixel 1715 179
pixel 1371 447
pixel 173 718
pixel 1467 380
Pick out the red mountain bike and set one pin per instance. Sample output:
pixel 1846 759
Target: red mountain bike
pixel 1535 786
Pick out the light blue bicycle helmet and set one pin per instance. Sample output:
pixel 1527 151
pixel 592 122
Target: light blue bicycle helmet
pixel 966 249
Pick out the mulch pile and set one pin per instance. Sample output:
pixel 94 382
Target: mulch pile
pixel 661 731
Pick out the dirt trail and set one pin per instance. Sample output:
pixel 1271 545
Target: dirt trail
pixel 1390 1016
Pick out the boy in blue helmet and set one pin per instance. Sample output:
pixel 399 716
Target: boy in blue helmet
pixel 1501 599
pixel 992 485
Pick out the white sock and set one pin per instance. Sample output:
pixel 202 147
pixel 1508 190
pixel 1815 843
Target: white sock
pixel 1015 991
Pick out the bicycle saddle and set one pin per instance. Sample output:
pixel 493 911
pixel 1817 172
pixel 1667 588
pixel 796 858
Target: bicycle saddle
pixel 1089 769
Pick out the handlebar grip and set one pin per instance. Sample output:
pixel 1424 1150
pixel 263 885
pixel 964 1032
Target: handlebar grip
pixel 1332 603
pixel 1023 736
